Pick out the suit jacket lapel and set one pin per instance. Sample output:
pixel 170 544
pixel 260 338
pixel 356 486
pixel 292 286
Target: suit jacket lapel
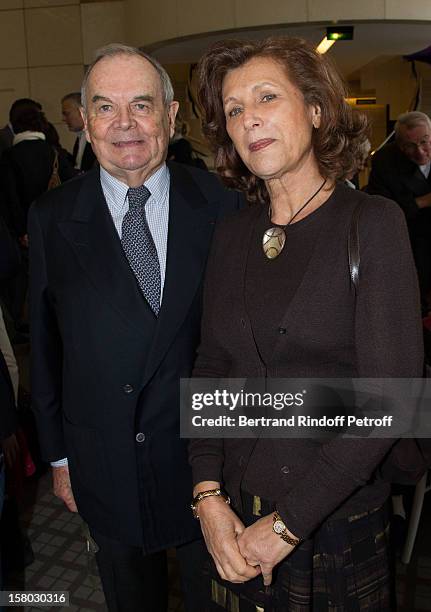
pixel 92 236
pixel 191 223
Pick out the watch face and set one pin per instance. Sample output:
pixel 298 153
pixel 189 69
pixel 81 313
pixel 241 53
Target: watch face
pixel 279 526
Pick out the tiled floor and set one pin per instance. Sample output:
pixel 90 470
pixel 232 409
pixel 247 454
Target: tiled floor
pixel 62 562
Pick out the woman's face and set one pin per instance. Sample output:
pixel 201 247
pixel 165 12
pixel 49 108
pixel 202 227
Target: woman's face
pixel 268 120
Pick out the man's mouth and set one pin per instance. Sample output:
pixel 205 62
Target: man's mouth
pixel 122 144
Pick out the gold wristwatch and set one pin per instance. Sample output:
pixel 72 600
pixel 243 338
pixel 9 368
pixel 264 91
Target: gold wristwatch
pixel 210 493
pixel 280 529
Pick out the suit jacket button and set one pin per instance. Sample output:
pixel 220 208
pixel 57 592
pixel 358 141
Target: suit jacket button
pixel 140 437
pixel 128 389
pixel 281 330
pixel 285 469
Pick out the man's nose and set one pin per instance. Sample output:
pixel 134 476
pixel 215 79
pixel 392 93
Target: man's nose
pixel 125 118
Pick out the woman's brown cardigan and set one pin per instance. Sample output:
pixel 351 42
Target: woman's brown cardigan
pixel 328 333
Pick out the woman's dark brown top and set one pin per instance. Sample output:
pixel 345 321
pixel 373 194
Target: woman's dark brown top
pixel 302 313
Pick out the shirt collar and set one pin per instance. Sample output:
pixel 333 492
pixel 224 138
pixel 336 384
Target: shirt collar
pixel 425 169
pixel 158 183
pixel 117 190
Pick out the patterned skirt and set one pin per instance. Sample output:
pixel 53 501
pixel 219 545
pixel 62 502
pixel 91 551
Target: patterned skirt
pixel 345 567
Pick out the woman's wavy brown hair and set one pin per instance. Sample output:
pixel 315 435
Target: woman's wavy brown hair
pixel 336 143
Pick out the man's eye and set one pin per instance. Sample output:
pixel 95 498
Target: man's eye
pixel 234 111
pixel 105 108
pixel 268 97
pixel 142 107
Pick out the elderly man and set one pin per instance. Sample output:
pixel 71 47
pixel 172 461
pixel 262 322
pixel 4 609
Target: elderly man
pixel 82 154
pixel 117 259
pixel 401 171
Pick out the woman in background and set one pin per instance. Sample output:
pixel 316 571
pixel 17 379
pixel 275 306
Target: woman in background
pixel 27 167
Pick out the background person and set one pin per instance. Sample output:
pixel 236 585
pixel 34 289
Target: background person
pixel 9 263
pixel 27 166
pixel 6 132
pixel 82 155
pixel 401 171
pixel 306 513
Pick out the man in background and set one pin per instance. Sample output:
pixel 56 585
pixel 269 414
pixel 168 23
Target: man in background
pixel 82 154
pixel 401 171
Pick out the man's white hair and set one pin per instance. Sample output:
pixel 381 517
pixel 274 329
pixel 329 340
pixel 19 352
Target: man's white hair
pixel 115 49
pixel 411 120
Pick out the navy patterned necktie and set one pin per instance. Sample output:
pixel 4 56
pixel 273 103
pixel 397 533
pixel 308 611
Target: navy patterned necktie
pixel 139 247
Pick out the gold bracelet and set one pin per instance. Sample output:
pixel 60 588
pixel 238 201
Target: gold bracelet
pixel 211 492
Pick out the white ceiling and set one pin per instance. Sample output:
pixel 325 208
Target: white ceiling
pixel 371 41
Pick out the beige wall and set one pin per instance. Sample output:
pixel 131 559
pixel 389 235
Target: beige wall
pixel 148 21
pixel 44 45
pixel 393 82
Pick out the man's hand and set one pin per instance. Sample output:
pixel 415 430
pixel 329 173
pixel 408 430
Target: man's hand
pixel 62 487
pixel 221 528
pixel 258 544
pixel 10 448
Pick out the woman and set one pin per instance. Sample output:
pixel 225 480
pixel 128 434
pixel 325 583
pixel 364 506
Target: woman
pixel 308 514
pixel 27 167
pixel 26 170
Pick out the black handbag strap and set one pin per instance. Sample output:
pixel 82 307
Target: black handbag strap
pixel 353 250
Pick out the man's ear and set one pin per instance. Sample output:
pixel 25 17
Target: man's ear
pixel 172 113
pixel 316 116
pixel 85 120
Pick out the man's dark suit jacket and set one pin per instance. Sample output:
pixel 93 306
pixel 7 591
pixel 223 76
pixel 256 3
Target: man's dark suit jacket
pixel 88 158
pixel 105 369
pixel 394 176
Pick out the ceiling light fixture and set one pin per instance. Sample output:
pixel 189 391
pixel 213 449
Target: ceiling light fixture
pixel 324 45
pixel 339 33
